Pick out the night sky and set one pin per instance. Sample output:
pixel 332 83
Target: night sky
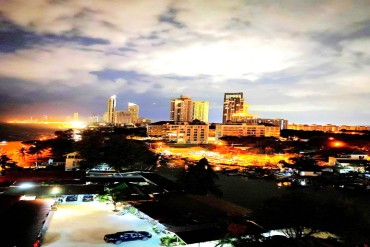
pixel 305 61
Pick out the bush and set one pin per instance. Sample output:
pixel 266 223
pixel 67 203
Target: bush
pixel 171 241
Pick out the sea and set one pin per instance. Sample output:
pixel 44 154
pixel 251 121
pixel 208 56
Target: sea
pixel 10 132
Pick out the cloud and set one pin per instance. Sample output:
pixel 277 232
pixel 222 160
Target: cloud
pixel 285 56
pixel 301 107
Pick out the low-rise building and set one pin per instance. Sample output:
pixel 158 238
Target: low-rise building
pixel 180 132
pixel 356 161
pixel 327 127
pixel 246 130
pixel 282 123
pixel 72 161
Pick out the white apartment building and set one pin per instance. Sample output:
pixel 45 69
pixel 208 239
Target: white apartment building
pixel 246 130
pixel 72 161
pixel 180 132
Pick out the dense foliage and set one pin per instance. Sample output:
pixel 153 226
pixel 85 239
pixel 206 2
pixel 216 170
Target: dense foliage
pixel 300 215
pixel 97 147
pixel 61 144
pixel 199 178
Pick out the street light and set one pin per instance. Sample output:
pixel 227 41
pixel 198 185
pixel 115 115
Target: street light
pixel 55 191
pixel 26 185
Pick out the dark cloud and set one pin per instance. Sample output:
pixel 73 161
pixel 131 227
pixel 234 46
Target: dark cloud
pixel 170 17
pixel 304 61
pixel 114 74
pixel 13 38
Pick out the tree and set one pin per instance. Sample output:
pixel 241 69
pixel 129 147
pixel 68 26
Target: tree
pixel 344 218
pixel 90 148
pixel 22 152
pixel 62 143
pixel 115 149
pixel 124 153
pixel 243 232
pixel 37 149
pixel 200 179
pixel 299 215
pixel 303 162
pixel 116 193
pixel 292 212
pixel 3 160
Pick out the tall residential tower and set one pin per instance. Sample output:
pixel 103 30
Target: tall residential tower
pixel 134 110
pixel 235 109
pixel 200 110
pixel 184 109
pixel 181 109
pixel 111 110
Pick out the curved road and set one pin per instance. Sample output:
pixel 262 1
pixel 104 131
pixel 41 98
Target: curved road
pixel 22 222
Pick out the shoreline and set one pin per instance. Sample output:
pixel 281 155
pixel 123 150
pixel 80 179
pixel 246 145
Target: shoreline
pixel 10 132
pixel 10 149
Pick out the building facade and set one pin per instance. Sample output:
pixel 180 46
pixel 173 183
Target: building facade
pixel 235 109
pixel 327 127
pixel 143 121
pixel 180 132
pixel 123 117
pixel 355 161
pixel 201 110
pixel 282 123
pixel 181 109
pixel 72 161
pixel 246 130
pixel 184 109
pixel 129 117
pixel 134 110
pixel 111 110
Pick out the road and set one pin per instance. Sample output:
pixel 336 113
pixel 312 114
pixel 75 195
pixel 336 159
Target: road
pixel 22 222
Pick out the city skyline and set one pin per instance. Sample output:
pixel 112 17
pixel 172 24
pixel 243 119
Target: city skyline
pixel 304 61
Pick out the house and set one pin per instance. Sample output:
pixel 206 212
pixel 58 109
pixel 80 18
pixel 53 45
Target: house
pixel 72 161
pixel 355 161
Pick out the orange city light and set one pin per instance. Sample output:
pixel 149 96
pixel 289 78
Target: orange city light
pixel 338 144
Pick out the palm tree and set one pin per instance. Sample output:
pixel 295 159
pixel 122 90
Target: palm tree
pixel 22 152
pixel 37 150
pixel 3 160
pixel 117 194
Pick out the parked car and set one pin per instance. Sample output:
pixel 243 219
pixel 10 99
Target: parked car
pixel 71 198
pixel 88 198
pixel 120 237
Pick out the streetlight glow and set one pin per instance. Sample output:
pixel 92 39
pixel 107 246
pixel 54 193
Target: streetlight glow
pixel 26 185
pixel 55 191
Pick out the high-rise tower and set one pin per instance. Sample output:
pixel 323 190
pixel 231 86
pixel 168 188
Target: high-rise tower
pixel 181 109
pixel 200 110
pixel 111 110
pixel 234 109
pixel 134 110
